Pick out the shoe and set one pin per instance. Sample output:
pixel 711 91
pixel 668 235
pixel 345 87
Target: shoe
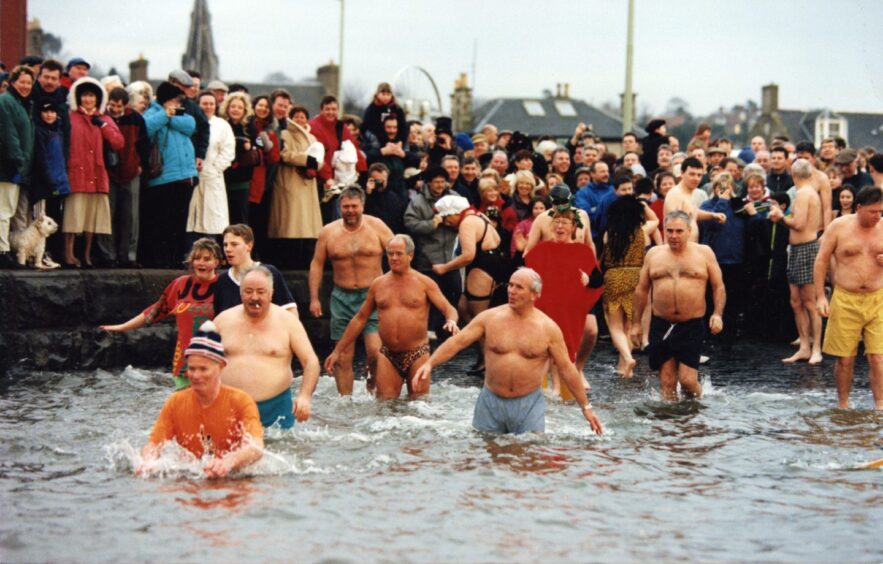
pixel 49 264
pixel 703 359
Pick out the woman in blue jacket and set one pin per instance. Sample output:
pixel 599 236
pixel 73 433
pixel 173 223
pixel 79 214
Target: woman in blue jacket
pixel 165 201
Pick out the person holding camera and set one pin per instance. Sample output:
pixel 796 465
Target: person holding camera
pixel 87 208
pixel 165 202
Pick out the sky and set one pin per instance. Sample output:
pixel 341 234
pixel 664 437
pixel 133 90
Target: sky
pixel 821 53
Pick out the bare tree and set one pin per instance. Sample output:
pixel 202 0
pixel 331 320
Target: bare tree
pixel 278 77
pixel 355 97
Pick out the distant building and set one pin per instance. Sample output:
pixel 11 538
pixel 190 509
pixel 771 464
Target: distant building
pixel 200 54
pixel 555 116
pixel 859 129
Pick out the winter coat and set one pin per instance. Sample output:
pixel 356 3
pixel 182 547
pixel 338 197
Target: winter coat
pixel 136 149
pixel 240 172
pixel 208 205
pixel 727 239
pixel 435 245
pixel 326 133
pixel 294 203
pixel 269 158
pixel 375 114
pixel 85 166
pixel 16 137
pixel 49 177
pixel 172 134
pixel 589 200
pixel 59 98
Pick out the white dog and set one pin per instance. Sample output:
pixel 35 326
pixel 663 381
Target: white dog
pixel 30 242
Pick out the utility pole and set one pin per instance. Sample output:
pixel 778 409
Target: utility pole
pixel 340 65
pixel 627 97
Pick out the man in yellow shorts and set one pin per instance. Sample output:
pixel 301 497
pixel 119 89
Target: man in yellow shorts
pixel 856 310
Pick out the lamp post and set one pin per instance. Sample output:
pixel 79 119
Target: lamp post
pixel 627 97
pixel 340 64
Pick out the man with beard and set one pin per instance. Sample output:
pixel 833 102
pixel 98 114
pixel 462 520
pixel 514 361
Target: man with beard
pixel 260 339
pixel 355 244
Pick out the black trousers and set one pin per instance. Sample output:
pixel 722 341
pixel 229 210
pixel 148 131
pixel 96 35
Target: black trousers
pixel 163 220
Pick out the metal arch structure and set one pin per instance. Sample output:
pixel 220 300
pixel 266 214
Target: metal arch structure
pixel 417 108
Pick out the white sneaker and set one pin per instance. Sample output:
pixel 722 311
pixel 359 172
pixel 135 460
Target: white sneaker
pixel 50 264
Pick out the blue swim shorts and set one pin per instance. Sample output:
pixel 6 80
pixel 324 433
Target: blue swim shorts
pixel 525 414
pixel 277 411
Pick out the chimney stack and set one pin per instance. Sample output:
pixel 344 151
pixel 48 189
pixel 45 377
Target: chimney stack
pixel 567 90
pixel 770 101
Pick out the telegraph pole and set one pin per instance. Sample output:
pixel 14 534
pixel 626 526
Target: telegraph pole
pixel 340 65
pixel 627 97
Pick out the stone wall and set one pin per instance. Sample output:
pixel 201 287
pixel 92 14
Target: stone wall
pixel 49 321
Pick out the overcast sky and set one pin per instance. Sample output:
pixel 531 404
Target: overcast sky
pixel 822 53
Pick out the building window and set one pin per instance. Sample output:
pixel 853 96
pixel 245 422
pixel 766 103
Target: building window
pixel 829 124
pixel 534 108
pixel 565 108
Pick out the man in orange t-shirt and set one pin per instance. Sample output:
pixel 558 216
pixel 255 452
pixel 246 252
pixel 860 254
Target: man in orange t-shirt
pixel 208 416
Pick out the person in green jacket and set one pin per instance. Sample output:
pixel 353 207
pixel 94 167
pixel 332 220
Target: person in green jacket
pixel 16 151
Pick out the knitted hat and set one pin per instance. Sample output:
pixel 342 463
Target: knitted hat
pixel 207 342
pixel 165 92
pixel 451 205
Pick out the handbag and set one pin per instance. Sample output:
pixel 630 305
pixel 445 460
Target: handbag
pixel 155 161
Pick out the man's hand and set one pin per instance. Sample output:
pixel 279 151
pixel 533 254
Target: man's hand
pixel 719 217
pixel 302 408
pixel 636 334
pixel 583 278
pixel 96 120
pixel 451 327
pixel 439 269
pixel 316 308
pixel 331 362
pixel 593 420
pixel 436 221
pixel 776 214
pixel 217 468
pixel 715 324
pixel 822 304
pixel 749 208
pixel 423 373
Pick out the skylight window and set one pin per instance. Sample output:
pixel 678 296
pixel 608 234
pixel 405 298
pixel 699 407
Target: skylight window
pixel 565 108
pixel 534 108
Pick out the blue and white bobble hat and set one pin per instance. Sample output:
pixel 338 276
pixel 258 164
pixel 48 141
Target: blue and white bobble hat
pixel 207 342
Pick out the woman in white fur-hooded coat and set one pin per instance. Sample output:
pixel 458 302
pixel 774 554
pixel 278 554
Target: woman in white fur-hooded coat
pixel 209 214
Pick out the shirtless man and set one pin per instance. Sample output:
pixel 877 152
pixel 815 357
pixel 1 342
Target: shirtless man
pixel 542 230
pixel 260 338
pixel 681 198
pixel 678 273
pixel 355 244
pixel 402 298
pixel 820 181
pixel 803 246
pixel 856 310
pixel 519 341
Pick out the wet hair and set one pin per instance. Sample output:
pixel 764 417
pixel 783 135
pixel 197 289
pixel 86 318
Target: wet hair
pixel 298 109
pixel 240 230
pixel 867 196
pixel 624 218
pixel 263 270
pixel 536 281
pixel 200 245
pixel 353 191
pixel 679 215
pixel 409 243
pixel 692 162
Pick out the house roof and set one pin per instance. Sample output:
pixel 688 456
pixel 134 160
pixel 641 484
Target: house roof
pixel 547 115
pixel 863 128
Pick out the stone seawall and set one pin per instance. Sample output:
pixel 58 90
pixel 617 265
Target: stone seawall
pixel 49 320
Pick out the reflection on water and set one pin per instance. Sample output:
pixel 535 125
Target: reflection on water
pixel 752 471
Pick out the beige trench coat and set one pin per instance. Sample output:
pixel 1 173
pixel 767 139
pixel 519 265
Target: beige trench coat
pixel 294 207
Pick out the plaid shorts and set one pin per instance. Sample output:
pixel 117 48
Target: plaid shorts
pixel 801 258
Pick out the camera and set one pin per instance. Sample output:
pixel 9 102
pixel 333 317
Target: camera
pixel 179 111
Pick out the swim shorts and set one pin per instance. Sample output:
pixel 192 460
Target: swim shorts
pixel 277 411
pixel 801 258
pixel 525 414
pixel 681 340
pixel 345 305
pixel 854 316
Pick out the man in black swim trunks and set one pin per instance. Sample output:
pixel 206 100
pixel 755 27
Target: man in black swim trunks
pixel 402 298
pixel 678 272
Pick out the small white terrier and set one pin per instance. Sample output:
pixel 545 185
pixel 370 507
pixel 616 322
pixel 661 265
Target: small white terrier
pixel 30 242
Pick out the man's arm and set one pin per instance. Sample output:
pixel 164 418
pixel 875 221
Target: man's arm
pixel 799 215
pixel 470 334
pixel 436 298
pixel 300 346
pixel 316 270
pixel 353 329
pixel 251 450
pixel 718 291
pixel 820 267
pixel 383 231
pixel 571 376
pixel 825 197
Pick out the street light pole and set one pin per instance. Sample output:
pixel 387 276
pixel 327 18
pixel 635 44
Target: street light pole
pixel 340 65
pixel 627 97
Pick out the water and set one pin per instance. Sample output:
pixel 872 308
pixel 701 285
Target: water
pixel 762 468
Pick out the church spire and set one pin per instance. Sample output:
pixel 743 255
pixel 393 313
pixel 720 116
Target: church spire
pixel 200 55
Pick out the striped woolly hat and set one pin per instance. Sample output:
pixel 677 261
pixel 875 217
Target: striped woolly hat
pixel 207 342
